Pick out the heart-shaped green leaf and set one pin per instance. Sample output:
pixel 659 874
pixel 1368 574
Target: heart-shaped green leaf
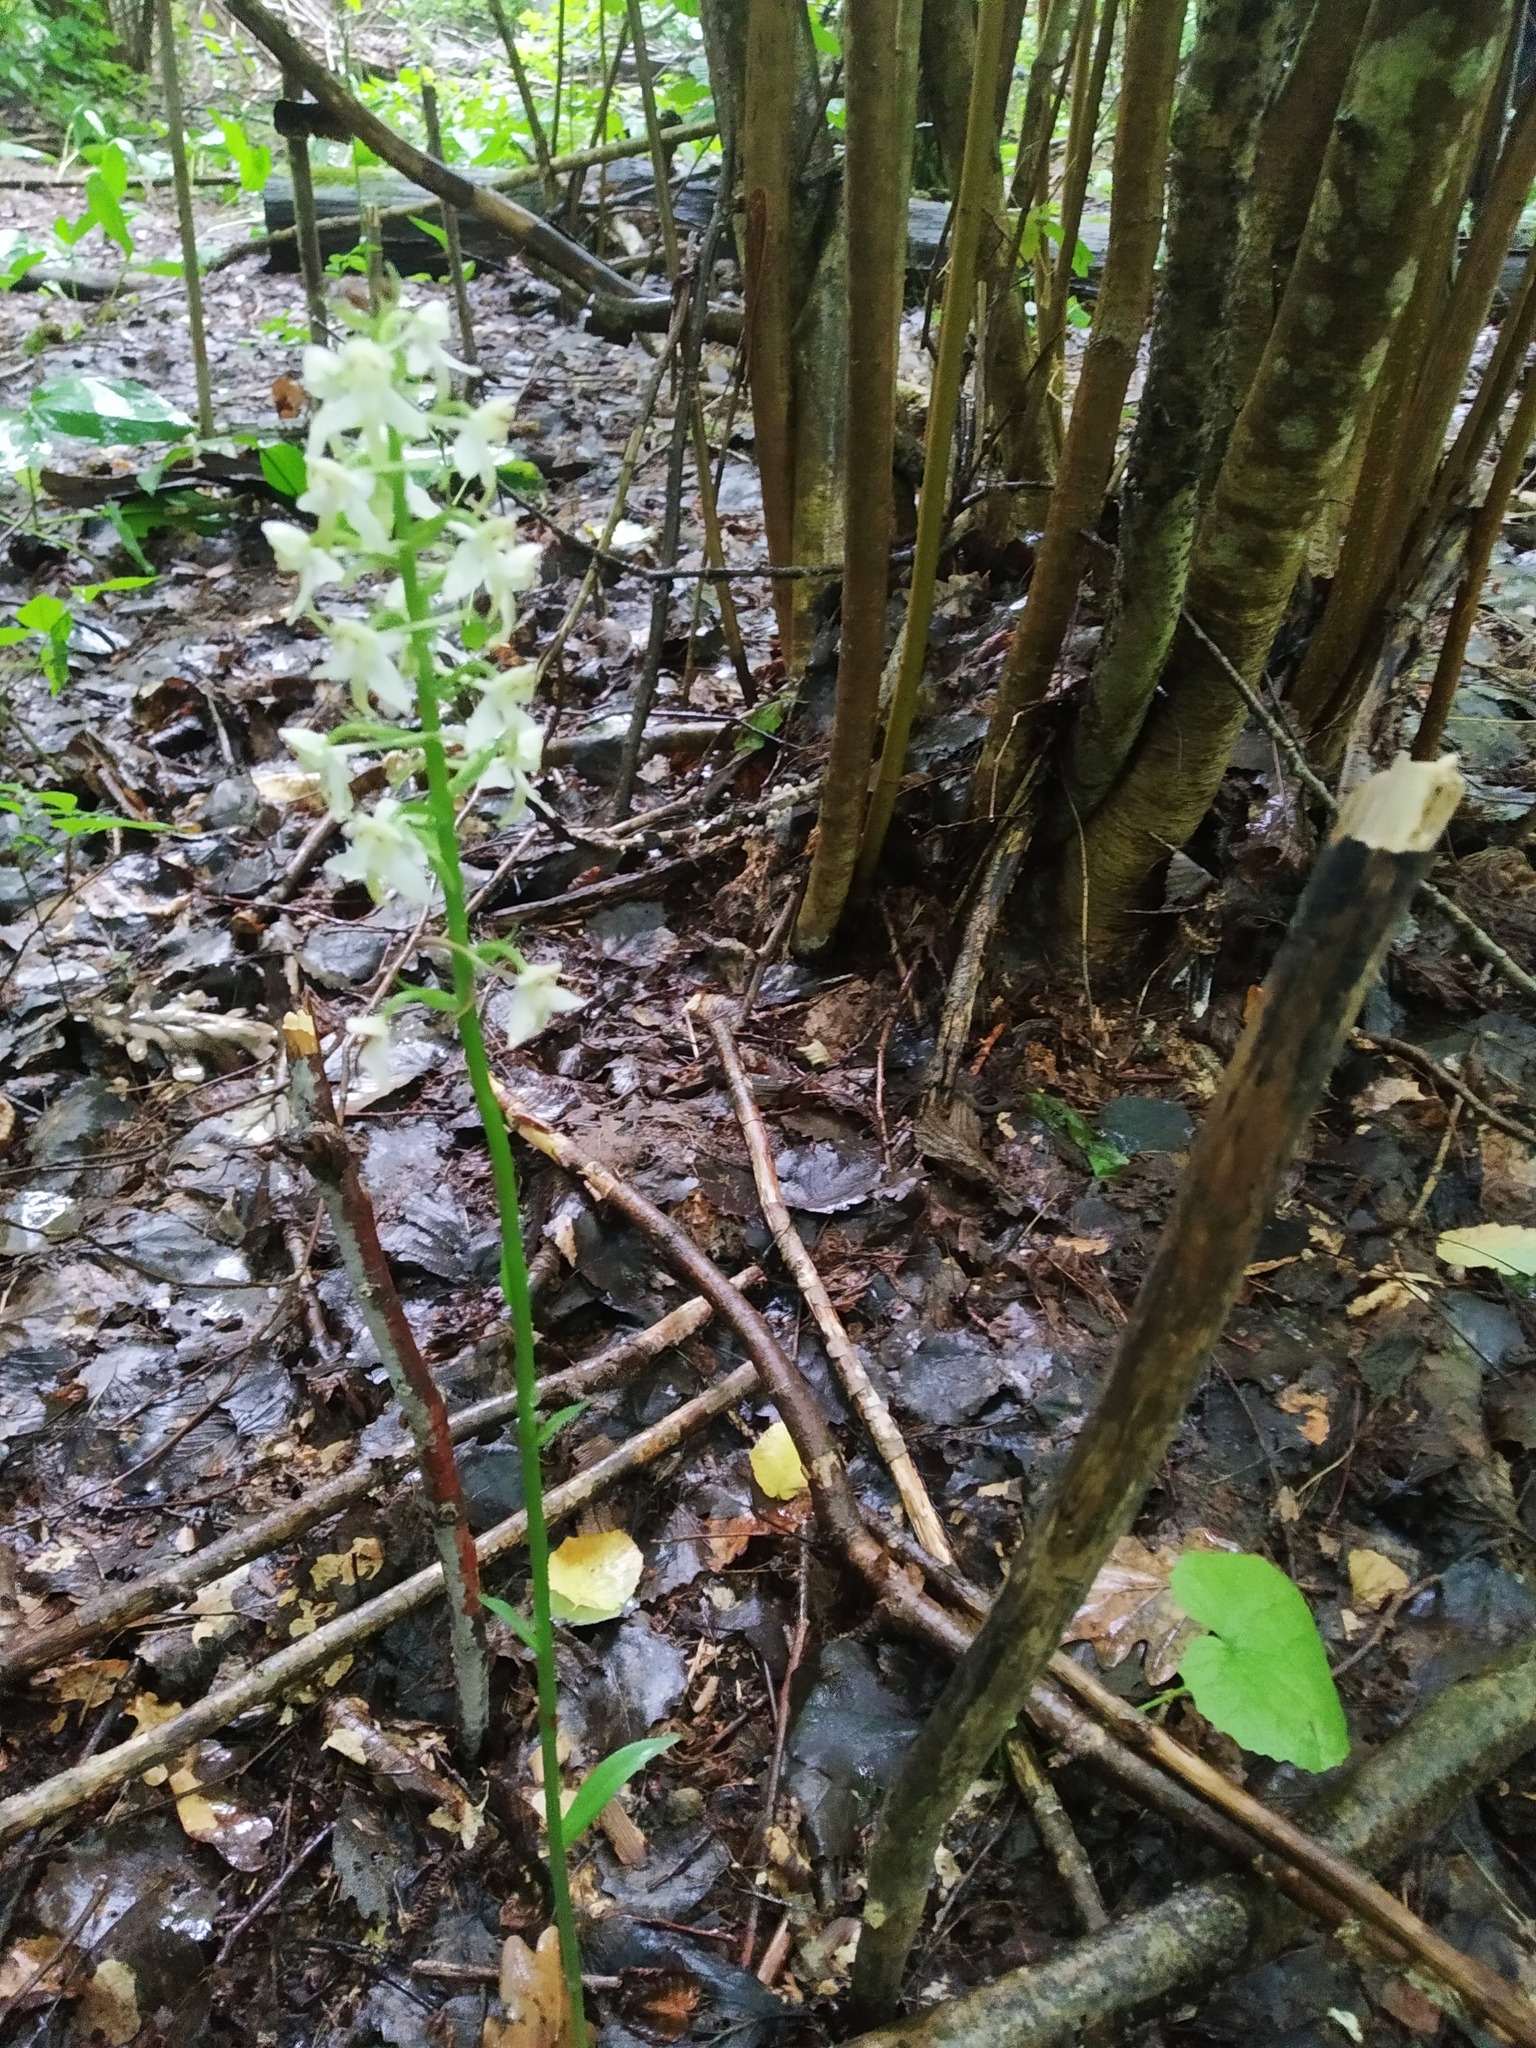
pixel 1262 1675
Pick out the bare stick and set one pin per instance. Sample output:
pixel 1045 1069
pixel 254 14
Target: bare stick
pixel 161 1591
pixel 1056 1832
pixel 452 239
pixel 176 135
pixel 303 1661
pixel 653 130
pixel 530 105
pixel 319 1142
pixel 306 230
pixel 876 1416
pixel 1362 885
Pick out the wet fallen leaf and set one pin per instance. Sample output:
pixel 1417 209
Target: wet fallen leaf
pixel 776 1464
pixel 1506 1247
pixel 32 1967
pixel 1309 1408
pixel 1374 1579
pixel 7 1122
pixel 363 1560
pixel 91 1682
pixel 287 397
pixel 1390 1294
pixel 148 1711
pixel 1409 2007
pixel 1386 1094
pixel 535 2011
pixel 1129 1603
pixel 659 2003
pixel 592 1577
pixel 109 2007
pixel 241 1838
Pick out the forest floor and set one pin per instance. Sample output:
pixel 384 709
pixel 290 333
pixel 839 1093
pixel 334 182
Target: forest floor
pixel 179 1351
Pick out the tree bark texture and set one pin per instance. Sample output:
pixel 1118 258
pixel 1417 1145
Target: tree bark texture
pixel 1153 29
pixel 880 42
pixel 1215 127
pixel 1418 81
pixel 1362 885
pixel 1358 603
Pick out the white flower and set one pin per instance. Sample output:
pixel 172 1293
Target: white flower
pixel 299 554
pixel 489 557
pixel 331 765
pixel 500 711
pixel 480 436
pixel 536 997
pixel 419 333
pixel 367 661
pixel 337 492
pixel 358 393
pixel 371 1035
pixel 386 854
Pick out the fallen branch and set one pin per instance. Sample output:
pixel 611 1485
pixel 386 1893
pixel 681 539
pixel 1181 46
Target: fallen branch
pixel 1469 1734
pixel 874 1413
pixel 532 233
pixel 1056 1832
pixel 332 1645
pixel 1443 1077
pixel 317 1139
pixel 1317 1880
pixel 173 1585
pixel 1342 927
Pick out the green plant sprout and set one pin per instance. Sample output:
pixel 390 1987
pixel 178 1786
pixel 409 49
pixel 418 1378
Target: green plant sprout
pixel 50 621
pixel 401 480
pixel 1261 1675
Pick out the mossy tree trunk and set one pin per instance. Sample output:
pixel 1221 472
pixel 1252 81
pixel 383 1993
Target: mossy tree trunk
pixel 1418 80
pixel 1153 30
pixel 1231 73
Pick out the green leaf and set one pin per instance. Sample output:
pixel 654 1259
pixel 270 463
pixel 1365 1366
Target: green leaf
pixel 91 591
pixel 110 410
pixel 519 1624
pixel 285 468
pixel 1262 1675
pixel 1104 1159
pixel 252 161
pixel 430 227
pixel 605 1779
pixel 42 613
pixel 552 1425
pixel 429 998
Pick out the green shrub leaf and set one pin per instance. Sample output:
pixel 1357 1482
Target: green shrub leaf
pixel 1262 1675
pixel 110 410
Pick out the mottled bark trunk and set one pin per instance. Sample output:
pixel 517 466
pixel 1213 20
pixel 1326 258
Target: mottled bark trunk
pixel 1141 151
pixel 1215 124
pixel 1290 152
pixel 1417 82
pixel 880 87
pixel 1333 678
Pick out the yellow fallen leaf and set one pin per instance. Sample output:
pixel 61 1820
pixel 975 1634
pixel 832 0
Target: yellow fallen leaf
pixel 348 1743
pixel 535 2011
pixel 1310 1410
pixel 110 2006
pixel 149 1711
pixel 1506 1247
pixel 591 1577
pixel 1374 1579
pixel 92 1682
pixel 776 1464
pixel 363 1560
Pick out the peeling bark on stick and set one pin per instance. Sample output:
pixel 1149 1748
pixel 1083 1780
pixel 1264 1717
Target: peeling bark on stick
pixel 1362 884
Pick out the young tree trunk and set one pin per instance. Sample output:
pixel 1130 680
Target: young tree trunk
pixel 1417 84
pixel 1153 30
pixel 880 39
pixel 1215 125
pixel 948 62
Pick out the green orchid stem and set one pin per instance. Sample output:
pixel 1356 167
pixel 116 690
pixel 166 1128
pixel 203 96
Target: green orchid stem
pixel 514 1266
